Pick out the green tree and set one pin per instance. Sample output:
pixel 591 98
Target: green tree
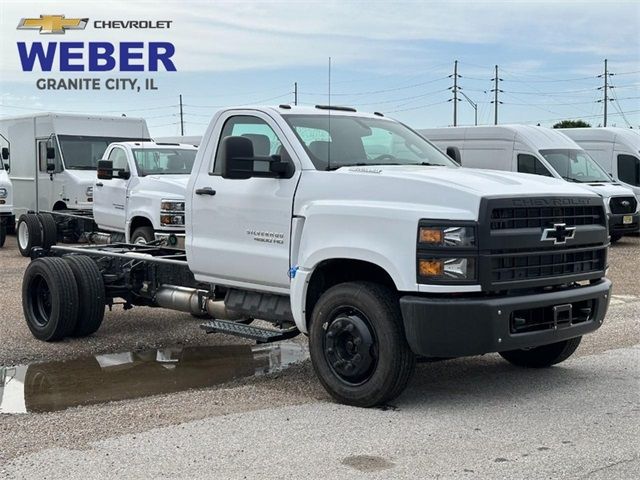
pixel 572 124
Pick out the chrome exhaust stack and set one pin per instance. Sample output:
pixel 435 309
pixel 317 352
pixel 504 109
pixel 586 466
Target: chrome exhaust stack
pixel 195 301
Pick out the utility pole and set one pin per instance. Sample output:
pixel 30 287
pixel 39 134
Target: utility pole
pixel 295 93
pixel 455 77
pixel 495 101
pixel 181 118
pixel 605 90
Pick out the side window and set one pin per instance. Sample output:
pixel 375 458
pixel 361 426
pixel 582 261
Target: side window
pixel 530 164
pixel 264 139
pixel 629 169
pixel 119 159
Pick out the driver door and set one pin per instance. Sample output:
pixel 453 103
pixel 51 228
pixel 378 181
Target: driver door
pixel 110 196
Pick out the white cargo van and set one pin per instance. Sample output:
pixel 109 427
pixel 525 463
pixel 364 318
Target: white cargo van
pixel 539 151
pixel 617 150
pixel 53 157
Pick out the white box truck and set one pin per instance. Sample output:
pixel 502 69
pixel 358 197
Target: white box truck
pixel 6 196
pixel 352 229
pixel 540 151
pixel 53 157
pixel 617 150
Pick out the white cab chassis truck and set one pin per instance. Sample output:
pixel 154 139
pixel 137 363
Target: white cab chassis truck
pixel 617 150
pixel 354 230
pixel 540 151
pixel 138 197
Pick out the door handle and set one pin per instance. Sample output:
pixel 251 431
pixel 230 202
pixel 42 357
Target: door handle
pixel 99 184
pixel 205 191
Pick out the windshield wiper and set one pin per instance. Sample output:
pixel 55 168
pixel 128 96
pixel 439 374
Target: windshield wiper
pixel 427 164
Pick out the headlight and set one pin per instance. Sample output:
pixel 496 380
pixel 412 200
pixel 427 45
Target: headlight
pixel 172 205
pixel 446 253
pixel 172 213
pixel 442 236
pixel 89 192
pixel 3 193
pixel 447 269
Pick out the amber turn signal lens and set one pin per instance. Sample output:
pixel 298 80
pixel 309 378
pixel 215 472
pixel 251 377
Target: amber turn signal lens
pixel 431 235
pixel 430 268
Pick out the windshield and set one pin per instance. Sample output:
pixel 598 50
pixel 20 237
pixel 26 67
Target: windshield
pixel 575 166
pixel 338 141
pixel 164 161
pixel 83 152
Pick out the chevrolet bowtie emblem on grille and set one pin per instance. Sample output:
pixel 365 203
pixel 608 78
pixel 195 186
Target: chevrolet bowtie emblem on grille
pixel 559 233
pixel 52 24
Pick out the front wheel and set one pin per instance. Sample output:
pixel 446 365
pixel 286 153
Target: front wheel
pixel 357 344
pixel 3 234
pixel 544 356
pixel 615 237
pixel 142 236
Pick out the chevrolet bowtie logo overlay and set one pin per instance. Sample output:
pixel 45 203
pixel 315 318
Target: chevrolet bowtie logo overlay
pixel 56 24
pixel 559 233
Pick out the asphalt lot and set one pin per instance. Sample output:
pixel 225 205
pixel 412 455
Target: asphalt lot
pixel 467 418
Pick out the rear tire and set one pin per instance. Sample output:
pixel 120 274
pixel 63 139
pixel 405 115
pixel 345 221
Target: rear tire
pixel 90 292
pixel 50 298
pixel 142 235
pixel 358 346
pixel 29 233
pixel 49 230
pixel 544 356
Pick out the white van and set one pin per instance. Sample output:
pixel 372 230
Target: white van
pixel 53 157
pixel 540 151
pixel 617 150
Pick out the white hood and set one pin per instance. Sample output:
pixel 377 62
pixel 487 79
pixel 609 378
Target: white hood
pixel 165 185
pixel 83 177
pixel 607 190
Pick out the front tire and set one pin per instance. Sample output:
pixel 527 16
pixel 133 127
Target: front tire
pixel 142 236
pixel 615 237
pixel 358 346
pixel 3 234
pixel 50 299
pixel 544 356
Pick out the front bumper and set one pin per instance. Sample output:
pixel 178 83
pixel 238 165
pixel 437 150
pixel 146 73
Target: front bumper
pixel 459 326
pixel 171 239
pixel 618 226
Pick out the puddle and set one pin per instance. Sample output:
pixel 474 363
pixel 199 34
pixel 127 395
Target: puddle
pixel 51 386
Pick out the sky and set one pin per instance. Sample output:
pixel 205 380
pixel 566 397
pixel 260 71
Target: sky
pixel 392 57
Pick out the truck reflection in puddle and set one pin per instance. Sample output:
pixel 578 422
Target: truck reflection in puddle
pixel 51 386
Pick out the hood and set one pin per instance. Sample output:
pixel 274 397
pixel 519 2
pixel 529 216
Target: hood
pixel 609 189
pixel 478 182
pixel 413 191
pixel 87 177
pixel 166 184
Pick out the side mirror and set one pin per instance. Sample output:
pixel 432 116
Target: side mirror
pixel 454 154
pixel 51 153
pixel 239 162
pixel 5 153
pixel 105 169
pixel 124 174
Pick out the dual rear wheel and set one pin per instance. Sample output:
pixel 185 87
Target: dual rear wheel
pixel 36 230
pixel 63 297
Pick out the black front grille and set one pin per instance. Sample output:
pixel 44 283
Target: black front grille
pixel 546 264
pixel 623 205
pixel 552 317
pixel 527 217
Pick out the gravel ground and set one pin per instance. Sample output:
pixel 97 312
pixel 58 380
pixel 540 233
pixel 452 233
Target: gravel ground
pixel 142 329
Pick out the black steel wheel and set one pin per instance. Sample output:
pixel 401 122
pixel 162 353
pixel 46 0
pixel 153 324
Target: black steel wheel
pixel 49 299
pixel 357 344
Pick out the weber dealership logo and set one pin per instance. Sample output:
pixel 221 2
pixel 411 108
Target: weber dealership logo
pixel 94 56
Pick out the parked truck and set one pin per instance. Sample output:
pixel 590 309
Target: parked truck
pixel 53 157
pixel 6 196
pixel 617 150
pixel 540 151
pixel 352 229
pixel 138 197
